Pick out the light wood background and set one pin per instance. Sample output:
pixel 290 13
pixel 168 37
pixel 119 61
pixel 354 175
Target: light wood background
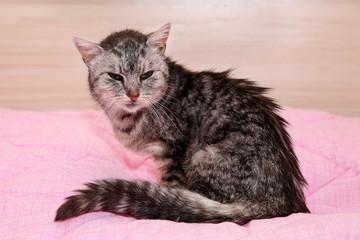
pixel 307 51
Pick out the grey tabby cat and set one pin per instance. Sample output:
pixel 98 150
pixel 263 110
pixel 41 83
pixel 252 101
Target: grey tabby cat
pixel 223 151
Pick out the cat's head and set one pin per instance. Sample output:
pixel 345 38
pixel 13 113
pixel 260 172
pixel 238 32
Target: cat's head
pixel 127 70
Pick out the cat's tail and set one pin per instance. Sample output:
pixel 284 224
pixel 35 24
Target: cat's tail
pixel 145 200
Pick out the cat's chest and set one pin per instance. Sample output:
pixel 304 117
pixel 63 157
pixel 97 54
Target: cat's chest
pixel 137 137
pixel 141 144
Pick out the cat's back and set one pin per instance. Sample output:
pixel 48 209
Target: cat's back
pixel 220 95
pixel 222 87
pixel 216 103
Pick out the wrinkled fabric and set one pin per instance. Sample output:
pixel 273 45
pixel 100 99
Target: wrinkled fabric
pixel 44 156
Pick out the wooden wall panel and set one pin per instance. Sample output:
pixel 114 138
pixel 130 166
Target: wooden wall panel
pixel 307 51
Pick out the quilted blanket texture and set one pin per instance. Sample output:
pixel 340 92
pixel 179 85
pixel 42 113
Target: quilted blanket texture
pixel 44 156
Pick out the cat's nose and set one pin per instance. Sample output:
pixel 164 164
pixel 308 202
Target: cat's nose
pixel 133 96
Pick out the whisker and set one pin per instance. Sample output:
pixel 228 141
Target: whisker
pixel 164 109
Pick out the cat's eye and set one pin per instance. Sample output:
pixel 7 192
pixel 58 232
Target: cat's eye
pixel 115 76
pixel 146 75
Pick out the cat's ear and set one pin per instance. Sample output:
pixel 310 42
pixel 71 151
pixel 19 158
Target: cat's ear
pixel 159 37
pixel 88 50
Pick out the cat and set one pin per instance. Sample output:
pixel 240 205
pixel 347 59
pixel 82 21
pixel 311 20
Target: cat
pixel 222 149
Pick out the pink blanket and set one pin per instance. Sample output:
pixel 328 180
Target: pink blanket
pixel 46 155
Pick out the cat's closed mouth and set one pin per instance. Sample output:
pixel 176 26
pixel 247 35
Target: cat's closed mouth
pixel 131 105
